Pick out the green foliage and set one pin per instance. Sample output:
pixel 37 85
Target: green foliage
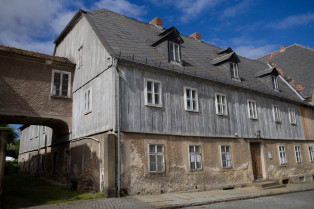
pixel 12 136
pixel 13 149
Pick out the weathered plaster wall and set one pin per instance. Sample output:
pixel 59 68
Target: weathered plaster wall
pixel 178 176
pixel 292 170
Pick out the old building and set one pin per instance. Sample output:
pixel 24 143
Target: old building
pixel 170 112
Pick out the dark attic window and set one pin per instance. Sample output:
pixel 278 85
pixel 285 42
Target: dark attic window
pixel 234 71
pixel 174 52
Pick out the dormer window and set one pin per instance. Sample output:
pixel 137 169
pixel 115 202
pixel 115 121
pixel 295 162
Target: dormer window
pixel 174 52
pixel 275 83
pixel 234 70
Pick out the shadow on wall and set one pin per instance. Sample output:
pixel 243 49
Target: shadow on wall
pixel 76 167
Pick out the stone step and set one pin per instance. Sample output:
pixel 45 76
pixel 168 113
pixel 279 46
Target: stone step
pixel 266 184
pixel 276 186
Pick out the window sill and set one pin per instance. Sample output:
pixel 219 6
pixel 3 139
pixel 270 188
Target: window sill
pixel 61 97
pixel 254 118
pixel 86 113
pixel 152 105
pixel 284 165
pixel 196 111
pixel 293 124
pixel 221 114
pixel 176 62
pixel 196 170
pixel 277 121
pixel 227 168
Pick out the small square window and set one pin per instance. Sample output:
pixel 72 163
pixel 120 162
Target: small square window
pixel 275 83
pixel 174 52
pixel 252 110
pixel 311 152
pixel 88 101
pixel 190 99
pixel 234 70
pixel 195 157
pixel 153 93
pixel 156 158
pixel 226 157
pixel 298 154
pixel 292 117
pixel 61 83
pixel 282 155
pixel 221 104
pixel 276 113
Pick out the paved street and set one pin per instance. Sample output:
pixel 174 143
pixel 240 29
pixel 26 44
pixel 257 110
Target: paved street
pixel 304 200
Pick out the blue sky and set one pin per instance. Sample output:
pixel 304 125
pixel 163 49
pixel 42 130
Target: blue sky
pixel 251 27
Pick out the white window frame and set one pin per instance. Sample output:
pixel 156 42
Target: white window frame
pixel 292 117
pixel 196 157
pixel 276 114
pixel 193 101
pixel 153 92
pixel 228 162
pixel 311 153
pixel 298 156
pixel 223 104
pixel 275 82
pixel 251 105
pixel 88 101
pixel 282 155
pixel 176 55
pixel 52 83
pixel 234 71
pixel 156 153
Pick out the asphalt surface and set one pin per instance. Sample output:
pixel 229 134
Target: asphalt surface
pixel 299 200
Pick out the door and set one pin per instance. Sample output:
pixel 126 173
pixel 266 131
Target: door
pixel 256 160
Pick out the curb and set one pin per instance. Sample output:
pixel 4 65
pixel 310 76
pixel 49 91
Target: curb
pixel 233 199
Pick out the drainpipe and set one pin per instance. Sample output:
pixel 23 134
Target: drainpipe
pixel 38 160
pixel 115 65
pixel 100 160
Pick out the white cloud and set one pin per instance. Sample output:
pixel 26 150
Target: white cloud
pixel 292 21
pixel 32 24
pixel 237 9
pixel 123 7
pixel 253 52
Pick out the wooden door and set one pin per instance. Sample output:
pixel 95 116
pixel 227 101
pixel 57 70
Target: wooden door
pixel 256 160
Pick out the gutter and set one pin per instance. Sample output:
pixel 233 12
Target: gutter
pixel 117 77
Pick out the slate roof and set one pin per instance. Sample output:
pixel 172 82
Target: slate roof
pixel 132 40
pixel 296 64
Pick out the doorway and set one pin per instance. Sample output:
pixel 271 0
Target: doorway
pixel 256 160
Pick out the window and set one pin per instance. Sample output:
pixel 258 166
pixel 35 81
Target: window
pixel 174 52
pixel 292 117
pixel 153 93
pixel 67 160
pixel 44 129
pixel 276 113
pixel 195 157
pixel 275 82
pixel 234 70
pixel 55 158
pixel 297 154
pixel 252 109
pixel 282 155
pixel 156 158
pixel 221 104
pixel 61 83
pixel 88 100
pixel 80 57
pixel 311 151
pixel 190 99
pixel 226 157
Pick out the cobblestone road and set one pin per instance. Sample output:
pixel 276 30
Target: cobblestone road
pixel 300 200
pixel 104 203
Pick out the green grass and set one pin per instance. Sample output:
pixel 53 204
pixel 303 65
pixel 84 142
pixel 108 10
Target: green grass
pixel 21 190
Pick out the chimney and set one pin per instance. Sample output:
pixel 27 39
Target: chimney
pixel 196 35
pixel 282 48
pixel 156 21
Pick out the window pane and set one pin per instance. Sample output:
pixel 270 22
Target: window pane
pixel 151 148
pixel 191 148
pixel 171 51
pixel 152 162
pixel 177 52
pixel 198 165
pixel 149 86
pixel 192 165
pixel 65 80
pixel 149 98
pixel 156 87
pixel 223 157
pixel 188 94
pixel 157 99
pixel 188 104
pixel 223 148
pixel 159 162
pixel 197 149
pixel 194 104
pixel 159 148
